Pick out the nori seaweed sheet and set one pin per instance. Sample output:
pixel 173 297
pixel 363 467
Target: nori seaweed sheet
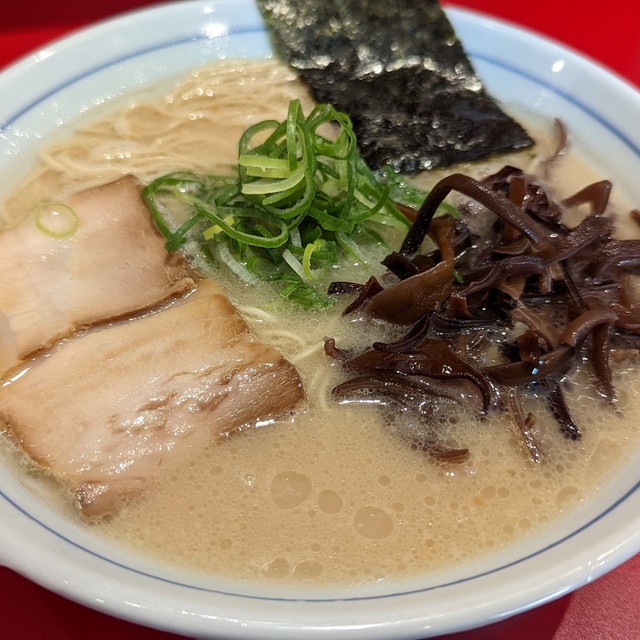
pixel 399 70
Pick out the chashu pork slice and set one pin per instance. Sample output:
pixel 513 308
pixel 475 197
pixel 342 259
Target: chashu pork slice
pixel 103 410
pixel 112 263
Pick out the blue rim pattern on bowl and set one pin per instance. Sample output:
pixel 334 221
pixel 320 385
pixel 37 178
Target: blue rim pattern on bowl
pixel 259 30
pixel 470 578
pixel 495 609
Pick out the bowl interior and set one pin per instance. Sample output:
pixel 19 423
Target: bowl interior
pixel 139 54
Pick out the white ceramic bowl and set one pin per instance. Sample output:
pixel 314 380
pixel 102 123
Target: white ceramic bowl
pixel 70 77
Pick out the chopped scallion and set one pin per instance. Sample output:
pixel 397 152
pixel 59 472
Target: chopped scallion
pixel 300 202
pixel 56 220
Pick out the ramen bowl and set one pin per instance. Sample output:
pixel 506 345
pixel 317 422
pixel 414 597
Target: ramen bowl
pixel 136 54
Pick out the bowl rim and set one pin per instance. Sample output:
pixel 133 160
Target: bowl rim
pixel 413 616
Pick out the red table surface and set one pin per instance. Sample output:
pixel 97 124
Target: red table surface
pixel 607 609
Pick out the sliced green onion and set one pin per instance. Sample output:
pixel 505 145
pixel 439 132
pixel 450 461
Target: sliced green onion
pixel 235 265
pixel 216 228
pixel 294 235
pixel 56 220
pixel 350 247
pixel 309 250
pixel 252 239
pixel 276 186
pixel 263 162
pixel 294 263
pixel 301 201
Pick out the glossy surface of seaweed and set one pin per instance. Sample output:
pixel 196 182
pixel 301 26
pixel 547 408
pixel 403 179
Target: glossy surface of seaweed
pixel 398 69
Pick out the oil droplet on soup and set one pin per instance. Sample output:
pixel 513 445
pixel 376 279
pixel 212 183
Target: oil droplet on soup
pixel 373 522
pixel 290 489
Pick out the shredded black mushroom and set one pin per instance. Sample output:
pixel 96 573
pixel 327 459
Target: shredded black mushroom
pixel 543 296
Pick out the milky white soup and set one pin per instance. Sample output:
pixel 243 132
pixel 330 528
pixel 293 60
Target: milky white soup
pixel 332 494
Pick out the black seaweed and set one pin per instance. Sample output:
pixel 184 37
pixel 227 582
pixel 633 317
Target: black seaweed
pixel 398 69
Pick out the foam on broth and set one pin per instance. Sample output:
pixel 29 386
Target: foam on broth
pixel 333 494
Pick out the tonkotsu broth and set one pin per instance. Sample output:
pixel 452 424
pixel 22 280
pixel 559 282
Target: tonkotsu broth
pixel 333 494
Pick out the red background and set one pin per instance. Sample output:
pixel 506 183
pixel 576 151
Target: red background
pixel 604 610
